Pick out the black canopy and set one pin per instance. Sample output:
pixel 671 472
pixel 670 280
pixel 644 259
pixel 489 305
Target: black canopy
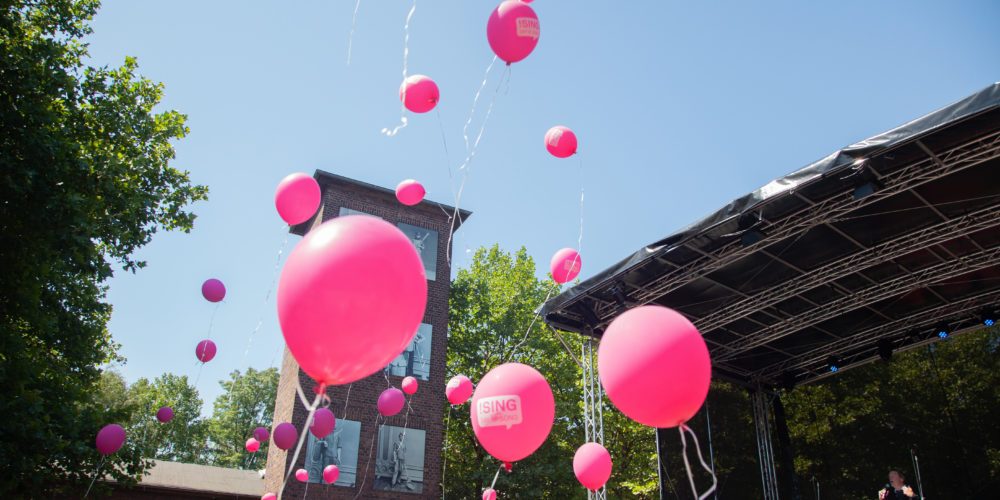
pixel 892 239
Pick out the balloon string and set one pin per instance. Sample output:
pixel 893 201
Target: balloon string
pixel 350 37
pixel 495 476
pixel 530 325
pixel 475 102
pixel 267 296
pixel 687 466
pixel 302 437
pixel 406 55
pixel 444 455
pixel 211 320
pixel 369 461
pixel 96 473
pixel 347 399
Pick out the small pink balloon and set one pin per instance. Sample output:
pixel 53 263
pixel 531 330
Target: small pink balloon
pixel 410 385
pixel 165 414
pixel 654 366
pixel 592 465
pixel 560 141
pixel 459 389
pixel 489 494
pixel 410 192
pixel 419 93
pixel 110 438
pixel 285 435
pixel 269 496
pixel 513 30
pixel 512 411
pixel 351 274
pixel 323 423
pixel 565 265
pixel 261 434
pixel 213 290
pixel 302 475
pixel 252 445
pixel 205 351
pixel 297 198
pixel 391 402
pixel 331 473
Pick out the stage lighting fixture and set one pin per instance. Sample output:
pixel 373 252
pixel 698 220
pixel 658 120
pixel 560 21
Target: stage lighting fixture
pixel 885 349
pixel 834 363
pixel 989 318
pixel 748 228
pixel 942 330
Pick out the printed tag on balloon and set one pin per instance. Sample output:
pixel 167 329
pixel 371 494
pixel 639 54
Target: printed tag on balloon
pixel 499 411
pixel 528 27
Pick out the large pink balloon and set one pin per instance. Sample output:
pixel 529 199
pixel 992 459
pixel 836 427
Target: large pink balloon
pixel 252 445
pixel 512 411
pixel 654 366
pixel 560 141
pixel 489 494
pixel 323 423
pixel 302 475
pixel 165 414
pixel 410 192
pixel 410 385
pixel 513 30
pixel 297 198
pixel 205 351
pixel 261 434
pixel 592 465
pixel 459 389
pixel 285 435
pixel 351 297
pixel 391 402
pixel 110 438
pixel 213 290
pixel 419 93
pixel 331 473
pixel 565 265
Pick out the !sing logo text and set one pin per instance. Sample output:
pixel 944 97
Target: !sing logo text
pixel 499 411
pixel 528 27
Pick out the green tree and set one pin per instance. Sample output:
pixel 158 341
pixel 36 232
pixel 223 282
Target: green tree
pixel 85 181
pixel 248 402
pixel 183 439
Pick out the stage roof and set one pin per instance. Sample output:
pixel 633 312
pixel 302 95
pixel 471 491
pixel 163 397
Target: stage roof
pixel 894 238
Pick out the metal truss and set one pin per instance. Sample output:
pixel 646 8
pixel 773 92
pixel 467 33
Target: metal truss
pixel 593 413
pixel 924 277
pixel 765 446
pixel 922 320
pixel 883 252
pixel 897 181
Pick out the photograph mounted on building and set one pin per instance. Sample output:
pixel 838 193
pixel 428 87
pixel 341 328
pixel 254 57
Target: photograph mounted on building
pixel 339 448
pixel 399 463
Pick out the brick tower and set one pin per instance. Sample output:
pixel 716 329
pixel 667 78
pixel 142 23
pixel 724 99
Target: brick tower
pixel 399 457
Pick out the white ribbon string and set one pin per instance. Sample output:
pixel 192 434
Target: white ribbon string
pixel 350 37
pixel 687 466
pixel 406 55
pixel 302 436
pixel 267 296
pixel 369 461
pixel 96 474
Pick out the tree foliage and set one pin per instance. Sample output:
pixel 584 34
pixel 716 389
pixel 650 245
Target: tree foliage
pixel 85 181
pixel 183 439
pixel 247 403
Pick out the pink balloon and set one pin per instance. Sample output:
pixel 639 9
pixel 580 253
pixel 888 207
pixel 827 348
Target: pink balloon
pixel 410 385
pixel 513 30
pixel 323 423
pixel 565 265
pixel 351 274
pixel 489 494
pixel 592 465
pixel 302 475
pixel 165 414
pixel 419 93
pixel 410 192
pixel 297 198
pixel 269 496
pixel 252 445
pixel 261 434
pixel 205 351
pixel 513 411
pixel 391 402
pixel 560 141
pixel 213 290
pixel 654 366
pixel 459 389
pixel 331 473
pixel 110 438
pixel 285 435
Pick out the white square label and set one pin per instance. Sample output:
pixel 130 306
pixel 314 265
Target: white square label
pixel 499 411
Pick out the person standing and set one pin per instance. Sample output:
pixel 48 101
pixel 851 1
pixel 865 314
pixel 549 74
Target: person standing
pixel 399 461
pixel 896 488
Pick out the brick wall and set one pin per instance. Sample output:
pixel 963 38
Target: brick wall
pixel 427 404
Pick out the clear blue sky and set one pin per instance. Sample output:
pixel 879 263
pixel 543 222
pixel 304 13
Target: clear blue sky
pixel 679 107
